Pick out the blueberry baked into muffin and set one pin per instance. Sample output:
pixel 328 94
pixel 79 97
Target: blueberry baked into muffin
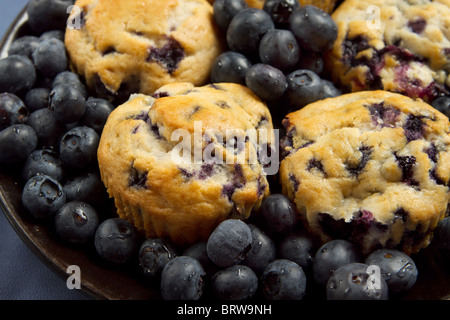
pixel 136 46
pixel 372 167
pixel 179 163
pixel 396 45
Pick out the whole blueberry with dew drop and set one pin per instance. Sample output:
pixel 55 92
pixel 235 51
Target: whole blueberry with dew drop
pixel 314 28
pixel 182 278
pixel 267 82
pixel 17 142
pixel 42 196
pixel 116 240
pixel 230 66
pixel 331 256
pixel 356 281
pixel 246 30
pixel 396 267
pixel 237 282
pixel 76 222
pixel 283 280
pixel 153 255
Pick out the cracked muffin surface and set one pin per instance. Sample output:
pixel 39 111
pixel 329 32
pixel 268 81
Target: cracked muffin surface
pixel 136 46
pixel 372 167
pixel 149 158
pixel 396 45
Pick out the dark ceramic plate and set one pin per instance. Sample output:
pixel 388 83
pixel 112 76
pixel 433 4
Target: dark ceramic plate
pixel 102 281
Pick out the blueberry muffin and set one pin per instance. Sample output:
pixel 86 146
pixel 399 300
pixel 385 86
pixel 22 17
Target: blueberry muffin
pixel 396 45
pixel 136 46
pixel 182 161
pixel 372 167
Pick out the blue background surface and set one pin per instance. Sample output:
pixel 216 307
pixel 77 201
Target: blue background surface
pixel 23 276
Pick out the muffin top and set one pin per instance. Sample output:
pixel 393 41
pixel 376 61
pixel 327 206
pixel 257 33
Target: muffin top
pixel 396 45
pixel 372 154
pixel 136 46
pixel 180 163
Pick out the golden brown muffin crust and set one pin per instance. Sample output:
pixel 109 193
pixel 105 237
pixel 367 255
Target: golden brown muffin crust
pixel 371 166
pixel 185 200
pixel 396 45
pixel 137 46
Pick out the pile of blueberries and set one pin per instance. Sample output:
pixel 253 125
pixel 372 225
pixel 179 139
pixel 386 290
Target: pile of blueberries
pixel 269 257
pixel 276 51
pixel 49 131
pixel 50 126
pixel 272 257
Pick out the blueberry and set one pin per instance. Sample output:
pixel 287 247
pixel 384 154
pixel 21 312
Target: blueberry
pixel 12 110
pixel 42 196
pixel 96 113
pixel 298 247
pixel 280 49
pixel 43 161
pixel 66 77
pixel 280 10
pixel 36 98
pixel 229 242
pixel 225 10
pixel 237 282
pixel 355 281
pixel 283 280
pixel 262 253
pixel 58 34
pixel 278 215
pixel 230 66
pixel 441 237
pixel 45 15
pixel 304 87
pixel 116 240
pixel 311 61
pixel 442 104
pixel 16 143
pixel 50 57
pixel 313 27
pixel 153 255
pixel 182 278
pixel 78 147
pixel 246 30
pixel 396 267
pixel 67 103
pixel 332 255
pixel 198 251
pixel 24 46
pixel 47 128
pixel 17 74
pixel 265 81
pixel 86 187
pixel 76 222
pixel 414 127
pixel 168 56
pixel 71 79
pixel 137 178
pixel 329 90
